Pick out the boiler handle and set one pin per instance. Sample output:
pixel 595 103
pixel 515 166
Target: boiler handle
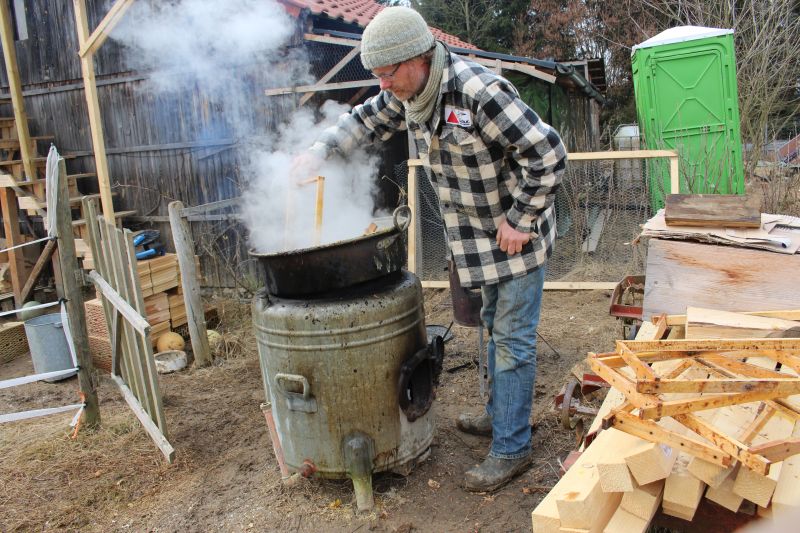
pixel 280 378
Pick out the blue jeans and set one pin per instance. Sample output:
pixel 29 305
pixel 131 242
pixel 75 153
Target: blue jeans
pixel 511 313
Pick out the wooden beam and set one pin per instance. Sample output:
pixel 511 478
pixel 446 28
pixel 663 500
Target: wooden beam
pixel 730 445
pixel 621 154
pixel 149 426
pixel 777 451
pixel 15 87
pixel 131 315
pixel 44 257
pixel 719 210
pixel 322 87
pixel 195 312
pixel 74 299
pixel 651 431
pixel 524 68
pixel 412 228
pixel 16 260
pixel 788 314
pixel 715 324
pixel 781 387
pixel 93 109
pixel 327 39
pixel 333 71
pixel 714 345
pixel 100 34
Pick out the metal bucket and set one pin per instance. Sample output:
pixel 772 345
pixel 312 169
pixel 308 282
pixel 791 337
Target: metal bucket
pixel 333 371
pixel 48 345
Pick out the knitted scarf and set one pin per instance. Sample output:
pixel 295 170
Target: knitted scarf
pixel 420 108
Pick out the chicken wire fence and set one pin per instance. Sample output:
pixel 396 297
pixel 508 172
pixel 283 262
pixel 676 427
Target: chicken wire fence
pixel 600 207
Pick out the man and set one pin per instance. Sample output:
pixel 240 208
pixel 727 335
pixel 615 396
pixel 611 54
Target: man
pixel 496 167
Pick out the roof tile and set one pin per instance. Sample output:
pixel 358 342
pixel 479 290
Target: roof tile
pixel 361 12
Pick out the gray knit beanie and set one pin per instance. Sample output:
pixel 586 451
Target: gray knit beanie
pixel 395 35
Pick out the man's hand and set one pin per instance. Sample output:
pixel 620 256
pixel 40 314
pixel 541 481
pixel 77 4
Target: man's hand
pixel 510 240
pixel 305 165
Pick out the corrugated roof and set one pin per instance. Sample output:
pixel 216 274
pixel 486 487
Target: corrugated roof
pixel 360 12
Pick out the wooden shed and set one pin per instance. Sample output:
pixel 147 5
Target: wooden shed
pixel 181 145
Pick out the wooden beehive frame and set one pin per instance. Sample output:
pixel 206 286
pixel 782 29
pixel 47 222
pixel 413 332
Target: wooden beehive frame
pixel 730 381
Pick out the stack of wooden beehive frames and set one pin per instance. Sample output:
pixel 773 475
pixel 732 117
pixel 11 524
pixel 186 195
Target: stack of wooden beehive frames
pixel 698 416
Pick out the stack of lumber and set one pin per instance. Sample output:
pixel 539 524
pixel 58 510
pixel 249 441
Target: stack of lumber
pixel 163 313
pixel 177 307
pixel 710 413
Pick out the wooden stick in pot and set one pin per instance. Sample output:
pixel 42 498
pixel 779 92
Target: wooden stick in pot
pixel 320 180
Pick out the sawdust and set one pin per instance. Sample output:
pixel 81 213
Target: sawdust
pixel 225 477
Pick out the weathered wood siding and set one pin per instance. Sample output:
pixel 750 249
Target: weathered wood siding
pixel 138 122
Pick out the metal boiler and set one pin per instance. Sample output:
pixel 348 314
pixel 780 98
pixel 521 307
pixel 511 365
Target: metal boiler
pixel 351 378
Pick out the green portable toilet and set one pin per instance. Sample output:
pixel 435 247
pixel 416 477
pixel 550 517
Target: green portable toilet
pixel 686 100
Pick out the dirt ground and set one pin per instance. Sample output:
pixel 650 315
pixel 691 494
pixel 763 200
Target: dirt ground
pixel 225 477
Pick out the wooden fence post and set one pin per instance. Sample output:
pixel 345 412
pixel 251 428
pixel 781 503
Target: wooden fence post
pixel 74 298
pixel 195 313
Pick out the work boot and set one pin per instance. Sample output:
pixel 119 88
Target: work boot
pixel 495 472
pixel 475 424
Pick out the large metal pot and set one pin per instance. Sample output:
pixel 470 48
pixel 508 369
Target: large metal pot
pixel 337 265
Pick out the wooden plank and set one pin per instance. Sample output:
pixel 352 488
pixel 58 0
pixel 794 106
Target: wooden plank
pixel 651 431
pixel 682 490
pixel 118 216
pixel 333 71
pixel 650 462
pixel 7 180
pixel 16 259
pixel 100 34
pixel 74 299
pixel 615 397
pixel 195 313
pixel 131 315
pixel 713 345
pixel 612 468
pixel 143 357
pixel 93 109
pixel 780 387
pixel 149 426
pixel 15 88
pixel 322 87
pixel 644 500
pixel 581 502
pixel 620 154
pixel 642 371
pixel 755 486
pixel 715 324
pixel 411 258
pixel 44 257
pixel 728 444
pixel 786 496
pixel 713 210
pixel 678 407
pixel 530 70
pixel 624 521
pixel 681 274
pixel 724 495
pixel 785 314
pixel 117 276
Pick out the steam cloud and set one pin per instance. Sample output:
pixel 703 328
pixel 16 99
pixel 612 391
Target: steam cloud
pixel 207 44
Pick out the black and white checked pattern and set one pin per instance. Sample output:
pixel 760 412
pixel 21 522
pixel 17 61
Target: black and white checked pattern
pixel 507 164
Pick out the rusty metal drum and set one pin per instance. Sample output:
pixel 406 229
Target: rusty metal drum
pixel 332 369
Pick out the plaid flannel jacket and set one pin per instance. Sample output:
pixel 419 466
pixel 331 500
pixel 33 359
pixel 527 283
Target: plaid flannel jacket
pixel 489 157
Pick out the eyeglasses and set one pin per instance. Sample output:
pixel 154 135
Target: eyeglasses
pixel 387 75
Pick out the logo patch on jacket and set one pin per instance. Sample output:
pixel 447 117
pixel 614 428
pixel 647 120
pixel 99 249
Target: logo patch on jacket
pixel 458 116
